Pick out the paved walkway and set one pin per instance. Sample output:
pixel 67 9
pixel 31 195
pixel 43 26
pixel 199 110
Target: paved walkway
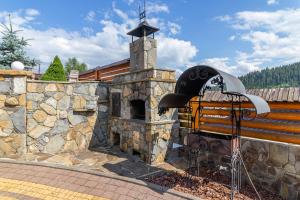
pixel 28 182
pixel 103 160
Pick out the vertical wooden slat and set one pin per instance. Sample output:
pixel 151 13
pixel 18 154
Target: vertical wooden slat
pixel 291 94
pixel 261 92
pixel 221 97
pixel 217 97
pixel 250 91
pixel 265 92
pixel 209 95
pixel 285 94
pixel 213 96
pixel 279 98
pixel 269 93
pixel 205 97
pixel 275 95
pixel 296 94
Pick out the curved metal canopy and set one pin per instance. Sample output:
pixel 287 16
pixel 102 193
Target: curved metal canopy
pixel 193 80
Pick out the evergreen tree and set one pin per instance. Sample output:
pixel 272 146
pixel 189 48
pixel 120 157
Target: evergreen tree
pixel 55 71
pixel 282 76
pixel 12 48
pixel 74 64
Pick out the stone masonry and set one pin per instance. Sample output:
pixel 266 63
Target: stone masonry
pixel 143 53
pixel 149 137
pixel 60 116
pixel 12 112
pixel 135 125
pixel 272 165
pixel 100 131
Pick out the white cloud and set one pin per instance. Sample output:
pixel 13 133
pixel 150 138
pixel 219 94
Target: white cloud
pixel 90 16
pixel 96 48
pixel 88 31
pixel 271 2
pixel 174 28
pixel 32 12
pixel 173 53
pixel 273 35
pixel 238 66
pixel 157 7
pixel 274 38
pixel 19 17
pixel 231 38
pixel 245 64
pixel 223 18
pixel 219 63
pixel 129 2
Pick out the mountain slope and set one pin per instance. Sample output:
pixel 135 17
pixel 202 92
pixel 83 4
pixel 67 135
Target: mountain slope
pixel 283 76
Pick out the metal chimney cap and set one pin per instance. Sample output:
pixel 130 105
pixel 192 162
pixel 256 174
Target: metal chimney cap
pixel 143 30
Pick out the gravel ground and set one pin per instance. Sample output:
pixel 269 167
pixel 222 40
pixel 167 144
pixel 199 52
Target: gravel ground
pixel 209 185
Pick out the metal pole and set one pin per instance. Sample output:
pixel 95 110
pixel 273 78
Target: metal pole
pixel 145 8
pixel 232 152
pixel 236 146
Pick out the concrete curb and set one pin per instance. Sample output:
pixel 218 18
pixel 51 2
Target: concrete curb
pixel 152 186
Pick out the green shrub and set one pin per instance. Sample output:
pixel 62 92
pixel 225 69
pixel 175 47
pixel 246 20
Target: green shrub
pixel 55 71
pixel 4 67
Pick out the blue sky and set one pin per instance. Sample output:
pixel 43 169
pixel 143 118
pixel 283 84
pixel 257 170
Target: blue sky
pixel 236 36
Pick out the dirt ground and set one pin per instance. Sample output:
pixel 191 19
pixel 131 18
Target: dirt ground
pixel 209 185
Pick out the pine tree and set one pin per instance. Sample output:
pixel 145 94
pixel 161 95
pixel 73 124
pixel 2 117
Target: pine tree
pixel 55 71
pixel 12 48
pixel 282 76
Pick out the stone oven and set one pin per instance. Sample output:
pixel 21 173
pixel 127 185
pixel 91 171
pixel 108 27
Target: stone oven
pixel 134 99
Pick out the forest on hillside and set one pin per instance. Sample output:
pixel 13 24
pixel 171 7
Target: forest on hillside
pixel 283 76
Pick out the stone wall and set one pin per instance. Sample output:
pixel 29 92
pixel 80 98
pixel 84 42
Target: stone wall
pixel 60 116
pixel 12 113
pixel 272 165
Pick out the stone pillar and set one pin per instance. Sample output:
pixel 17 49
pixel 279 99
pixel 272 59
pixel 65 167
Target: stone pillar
pixel 13 112
pixel 143 53
pixel 100 133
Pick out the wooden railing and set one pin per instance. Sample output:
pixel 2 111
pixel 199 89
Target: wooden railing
pixel 282 124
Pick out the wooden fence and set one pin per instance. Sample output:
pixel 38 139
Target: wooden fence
pixel 281 124
pixel 106 73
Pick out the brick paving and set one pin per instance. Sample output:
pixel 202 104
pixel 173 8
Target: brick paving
pixel 20 181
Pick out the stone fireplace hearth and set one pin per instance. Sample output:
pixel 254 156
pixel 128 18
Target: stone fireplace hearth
pixel 134 98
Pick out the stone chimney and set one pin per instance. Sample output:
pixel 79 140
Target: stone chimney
pixel 143 51
pixel 134 123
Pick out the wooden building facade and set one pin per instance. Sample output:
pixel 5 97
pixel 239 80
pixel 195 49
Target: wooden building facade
pixel 282 124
